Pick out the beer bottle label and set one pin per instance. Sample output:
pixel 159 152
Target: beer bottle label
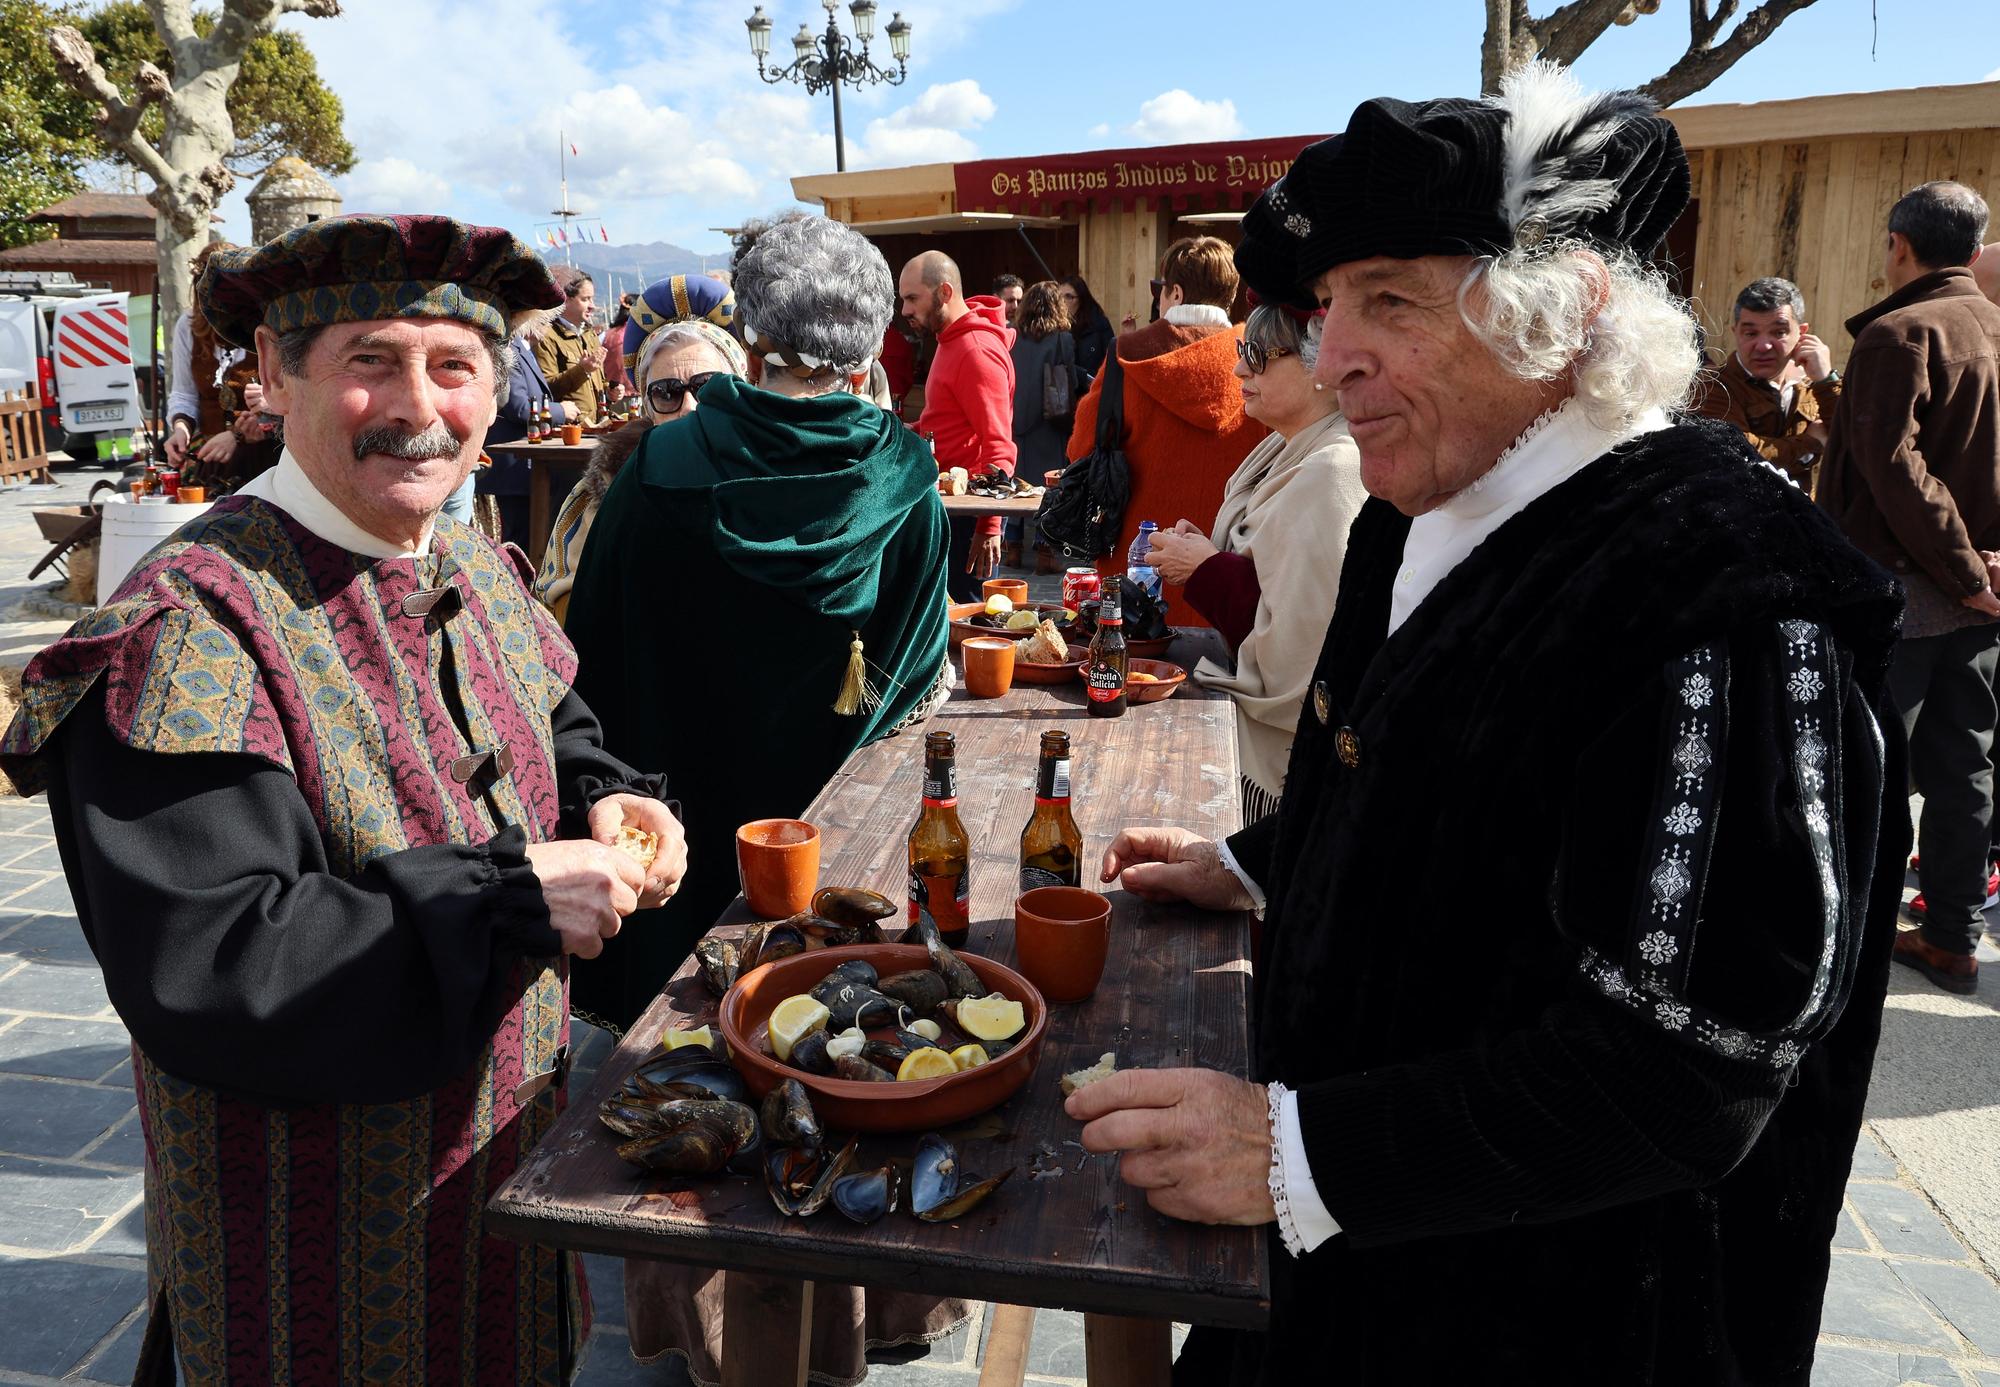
pixel 1106 684
pixel 1031 877
pixel 941 792
pixel 946 901
pixel 1055 783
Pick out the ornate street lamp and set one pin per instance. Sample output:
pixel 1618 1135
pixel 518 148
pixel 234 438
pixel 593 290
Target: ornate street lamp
pixel 823 63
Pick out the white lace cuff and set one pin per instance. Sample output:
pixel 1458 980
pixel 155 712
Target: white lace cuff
pixel 1303 1219
pixel 1288 1230
pixel 1230 865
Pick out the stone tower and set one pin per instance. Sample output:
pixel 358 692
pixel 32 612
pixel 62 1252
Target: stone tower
pixel 290 194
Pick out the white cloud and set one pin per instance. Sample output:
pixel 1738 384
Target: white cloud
pixel 393 184
pixel 1179 116
pixel 1993 76
pixel 930 130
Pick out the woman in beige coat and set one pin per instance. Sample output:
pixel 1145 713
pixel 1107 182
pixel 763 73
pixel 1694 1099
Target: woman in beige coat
pixel 1267 576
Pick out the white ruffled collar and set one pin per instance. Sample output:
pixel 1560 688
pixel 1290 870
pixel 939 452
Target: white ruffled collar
pixel 287 487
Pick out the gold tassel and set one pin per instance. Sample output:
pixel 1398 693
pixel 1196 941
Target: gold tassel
pixel 856 693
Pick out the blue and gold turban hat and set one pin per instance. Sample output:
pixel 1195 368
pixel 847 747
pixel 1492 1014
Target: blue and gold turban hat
pixel 361 268
pixel 677 298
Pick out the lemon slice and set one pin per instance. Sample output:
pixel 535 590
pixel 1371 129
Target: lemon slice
pixel 990 1018
pixel 999 604
pixel 700 1035
pixel 927 1063
pixel 793 1020
pixel 1023 621
pixel 969 1056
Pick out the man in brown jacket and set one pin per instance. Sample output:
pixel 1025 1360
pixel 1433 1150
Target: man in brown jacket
pixel 571 353
pixel 1778 385
pixel 1912 474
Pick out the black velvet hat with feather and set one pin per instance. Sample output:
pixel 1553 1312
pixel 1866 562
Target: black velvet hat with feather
pixel 1544 161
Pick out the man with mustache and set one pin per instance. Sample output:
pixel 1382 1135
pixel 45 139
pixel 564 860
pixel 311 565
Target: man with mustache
pixel 1591 656
pixel 1778 384
pixel 333 822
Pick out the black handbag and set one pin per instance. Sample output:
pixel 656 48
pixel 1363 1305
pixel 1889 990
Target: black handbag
pixel 1080 516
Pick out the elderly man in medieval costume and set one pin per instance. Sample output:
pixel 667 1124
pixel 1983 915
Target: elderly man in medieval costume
pixel 334 821
pixel 1620 673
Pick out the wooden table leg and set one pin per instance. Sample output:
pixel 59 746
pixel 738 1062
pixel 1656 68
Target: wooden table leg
pixel 1007 1346
pixel 540 521
pixel 766 1331
pixel 1121 1352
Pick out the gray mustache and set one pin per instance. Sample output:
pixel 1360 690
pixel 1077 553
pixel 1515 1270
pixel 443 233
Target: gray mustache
pixel 437 441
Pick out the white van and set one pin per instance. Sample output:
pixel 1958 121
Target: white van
pixel 78 344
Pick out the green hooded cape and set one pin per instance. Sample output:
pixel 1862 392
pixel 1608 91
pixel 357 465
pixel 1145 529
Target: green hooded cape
pixel 733 561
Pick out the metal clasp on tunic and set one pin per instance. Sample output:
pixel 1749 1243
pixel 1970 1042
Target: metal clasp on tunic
pixel 476 765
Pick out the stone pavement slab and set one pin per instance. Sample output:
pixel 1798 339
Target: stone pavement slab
pixel 59 1311
pixel 50 1206
pixel 53 1117
pixel 63 1049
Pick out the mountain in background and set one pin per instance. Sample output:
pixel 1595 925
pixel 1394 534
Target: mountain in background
pixel 632 267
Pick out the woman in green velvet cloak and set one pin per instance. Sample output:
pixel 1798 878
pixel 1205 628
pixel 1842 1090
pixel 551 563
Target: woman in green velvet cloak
pixel 764 588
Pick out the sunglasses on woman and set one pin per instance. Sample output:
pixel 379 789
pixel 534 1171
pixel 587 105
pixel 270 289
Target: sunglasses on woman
pixel 665 394
pixel 1257 356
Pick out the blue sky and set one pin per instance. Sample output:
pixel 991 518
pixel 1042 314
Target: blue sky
pixel 454 105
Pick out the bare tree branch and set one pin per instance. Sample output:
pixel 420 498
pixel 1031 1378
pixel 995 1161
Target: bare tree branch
pixel 1700 66
pixel 1703 26
pixel 117 117
pixel 242 21
pixel 1582 24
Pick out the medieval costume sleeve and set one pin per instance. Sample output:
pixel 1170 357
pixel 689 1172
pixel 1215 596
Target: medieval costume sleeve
pixel 1658 1069
pixel 239 961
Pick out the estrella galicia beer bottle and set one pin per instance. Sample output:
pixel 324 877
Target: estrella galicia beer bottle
pixel 1051 845
pixel 940 851
pixel 1108 663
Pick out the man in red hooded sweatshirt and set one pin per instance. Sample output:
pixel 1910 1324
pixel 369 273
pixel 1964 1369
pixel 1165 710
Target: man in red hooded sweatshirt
pixel 968 399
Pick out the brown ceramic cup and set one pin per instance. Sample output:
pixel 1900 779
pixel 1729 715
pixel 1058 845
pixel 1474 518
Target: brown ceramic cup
pixel 193 495
pixel 1061 934
pixel 572 435
pixel 1015 590
pixel 777 861
pixel 989 665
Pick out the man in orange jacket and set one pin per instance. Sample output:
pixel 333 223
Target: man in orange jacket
pixel 1185 430
pixel 968 398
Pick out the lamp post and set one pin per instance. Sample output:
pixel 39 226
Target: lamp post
pixel 822 63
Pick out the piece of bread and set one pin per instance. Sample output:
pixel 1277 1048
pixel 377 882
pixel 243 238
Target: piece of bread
pixel 1045 647
pixel 1106 1066
pixel 961 481
pixel 638 844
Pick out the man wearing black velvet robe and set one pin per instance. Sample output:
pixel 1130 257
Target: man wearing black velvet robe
pixel 1581 892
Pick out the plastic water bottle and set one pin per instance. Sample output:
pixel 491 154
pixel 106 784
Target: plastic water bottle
pixel 1139 570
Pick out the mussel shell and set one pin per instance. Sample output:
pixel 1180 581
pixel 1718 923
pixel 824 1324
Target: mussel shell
pixel 750 949
pixel 852 905
pixel 695 1137
pixel 964 1201
pixel 859 1070
pixel 788 1116
pixel 939 1191
pixel 934 1172
pixel 630 1120
pixel 809 1053
pixel 895 1048
pixel 859 970
pixel 959 979
pixel 802 1181
pixel 867 1195
pixel 856 1004
pixel 719 962
pixel 714 1077
pixel 920 989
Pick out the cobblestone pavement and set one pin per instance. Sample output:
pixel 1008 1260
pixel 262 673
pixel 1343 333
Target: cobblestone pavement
pixel 1912 1297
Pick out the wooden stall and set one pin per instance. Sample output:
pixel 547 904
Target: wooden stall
pixel 1796 188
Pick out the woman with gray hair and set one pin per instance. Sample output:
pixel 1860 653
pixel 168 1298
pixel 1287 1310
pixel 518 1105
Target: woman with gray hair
pixel 762 595
pixel 1267 575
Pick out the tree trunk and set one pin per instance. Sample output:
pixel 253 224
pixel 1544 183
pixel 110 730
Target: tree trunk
pixel 198 134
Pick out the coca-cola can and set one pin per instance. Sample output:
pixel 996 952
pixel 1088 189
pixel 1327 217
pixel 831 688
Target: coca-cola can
pixel 1080 585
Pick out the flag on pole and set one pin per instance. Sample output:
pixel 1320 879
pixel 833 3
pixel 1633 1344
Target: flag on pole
pixel 602 232
pixel 572 151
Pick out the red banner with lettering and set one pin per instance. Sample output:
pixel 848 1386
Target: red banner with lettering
pixel 1187 177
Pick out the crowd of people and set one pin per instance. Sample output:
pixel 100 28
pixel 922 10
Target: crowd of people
pixel 1514 589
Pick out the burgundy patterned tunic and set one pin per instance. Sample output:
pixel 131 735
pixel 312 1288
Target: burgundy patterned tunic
pixel 411 702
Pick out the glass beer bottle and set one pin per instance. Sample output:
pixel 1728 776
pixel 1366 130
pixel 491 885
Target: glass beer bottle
pixel 1108 663
pixel 1051 845
pixel 940 851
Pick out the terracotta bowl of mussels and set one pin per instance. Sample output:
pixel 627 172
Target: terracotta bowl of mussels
pixel 890 1037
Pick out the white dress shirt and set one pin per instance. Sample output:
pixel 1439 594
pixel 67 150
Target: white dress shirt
pixel 287 487
pixel 1554 448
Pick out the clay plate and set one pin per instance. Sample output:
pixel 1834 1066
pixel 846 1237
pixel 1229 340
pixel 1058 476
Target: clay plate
pixel 958 612
pixel 1026 672
pixel 853 1106
pixel 1168 677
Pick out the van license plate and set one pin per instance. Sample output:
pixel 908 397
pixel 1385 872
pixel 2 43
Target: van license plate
pixel 99 414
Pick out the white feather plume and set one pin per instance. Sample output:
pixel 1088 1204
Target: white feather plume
pixel 1556 131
